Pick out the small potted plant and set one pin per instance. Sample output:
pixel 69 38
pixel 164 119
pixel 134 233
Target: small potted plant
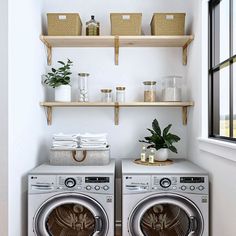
pixel 161 141
pixel 59 79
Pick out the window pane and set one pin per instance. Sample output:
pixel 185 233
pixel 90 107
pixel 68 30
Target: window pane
pixel 234 27
pixel 234 98
pixel 222 31
pixel 224 102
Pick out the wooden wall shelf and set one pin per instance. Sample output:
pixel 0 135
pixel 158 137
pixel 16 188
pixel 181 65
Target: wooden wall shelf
pixel 116 42
pixel 50 105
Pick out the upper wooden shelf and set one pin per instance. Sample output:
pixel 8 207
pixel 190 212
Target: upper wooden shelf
pixel 116 42
pixel 50 105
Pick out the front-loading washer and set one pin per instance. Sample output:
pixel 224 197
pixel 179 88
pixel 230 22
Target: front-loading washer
pixel 71 200
pixel 164 200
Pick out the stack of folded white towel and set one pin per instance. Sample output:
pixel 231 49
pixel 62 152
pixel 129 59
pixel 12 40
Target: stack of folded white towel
pixel 88 140
pixel 65 141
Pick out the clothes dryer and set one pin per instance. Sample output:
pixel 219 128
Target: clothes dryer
pixel 164 200
pixel 71 200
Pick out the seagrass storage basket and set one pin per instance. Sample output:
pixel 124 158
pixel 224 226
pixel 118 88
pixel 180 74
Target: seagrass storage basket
pixel 126 23
pixel 80 156
pixel 168 24
pixel 64 24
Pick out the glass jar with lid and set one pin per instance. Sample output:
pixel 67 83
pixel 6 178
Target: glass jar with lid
pixel 106 95
pixel 149 91
pixel 172 88
pixel 120 94
pixel 83 87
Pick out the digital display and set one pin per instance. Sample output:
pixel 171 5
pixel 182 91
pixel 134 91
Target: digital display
pixel 191 179
pixel 97 179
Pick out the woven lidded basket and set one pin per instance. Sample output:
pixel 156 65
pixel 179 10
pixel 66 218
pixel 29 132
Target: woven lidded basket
pixel 168 24
pixel 126 23
pixel 64 24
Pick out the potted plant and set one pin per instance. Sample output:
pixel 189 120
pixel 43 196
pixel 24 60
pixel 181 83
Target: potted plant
pixel 59 79
pixel 161 141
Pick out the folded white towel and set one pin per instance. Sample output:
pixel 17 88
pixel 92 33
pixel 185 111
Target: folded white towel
pixel 65 137
pixel 89 135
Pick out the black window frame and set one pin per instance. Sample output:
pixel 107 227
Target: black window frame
pixel 214 116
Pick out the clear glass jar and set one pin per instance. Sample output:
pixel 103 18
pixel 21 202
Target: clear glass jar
pixel 92 27
pixel 106 95
pixel 83 87
pixel 120 94
pixel 172 88
pixel 149 91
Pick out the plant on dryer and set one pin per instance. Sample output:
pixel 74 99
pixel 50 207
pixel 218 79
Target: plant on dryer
pixel 162 141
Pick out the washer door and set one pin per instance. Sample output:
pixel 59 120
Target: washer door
pixel 71 214
pixel 166 215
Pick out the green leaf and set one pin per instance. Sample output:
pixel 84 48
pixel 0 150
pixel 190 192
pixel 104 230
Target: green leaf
pixel 173 149
pixel 151 131
pixel 166 130
pixel 53 70
pixel 156 127
pixel 61 62
pixel 172 137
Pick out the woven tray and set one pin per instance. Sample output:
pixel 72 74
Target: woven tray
pixel 156 163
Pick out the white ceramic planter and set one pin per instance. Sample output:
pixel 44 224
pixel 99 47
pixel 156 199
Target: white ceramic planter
pixel 63 93
pixel 162 154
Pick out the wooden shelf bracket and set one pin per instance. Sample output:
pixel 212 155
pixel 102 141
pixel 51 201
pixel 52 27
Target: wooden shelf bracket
pixel 49 50
pixel 116 113
pixel 184 115
pixel 49 115
pixel 185 52
pixel 116 48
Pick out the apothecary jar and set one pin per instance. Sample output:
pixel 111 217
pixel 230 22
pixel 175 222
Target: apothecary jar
pixel 172 88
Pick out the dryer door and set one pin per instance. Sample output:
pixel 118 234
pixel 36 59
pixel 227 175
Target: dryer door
pixel 166 215
pixel 71 214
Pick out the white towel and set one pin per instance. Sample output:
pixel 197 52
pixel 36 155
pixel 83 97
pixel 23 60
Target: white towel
pixel 65 137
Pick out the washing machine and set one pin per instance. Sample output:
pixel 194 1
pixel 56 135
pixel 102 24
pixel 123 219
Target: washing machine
pixel 169 200
pixel 71 200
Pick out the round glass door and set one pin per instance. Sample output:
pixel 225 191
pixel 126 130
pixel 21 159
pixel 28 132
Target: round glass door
pixel 166 215
pixel 71 215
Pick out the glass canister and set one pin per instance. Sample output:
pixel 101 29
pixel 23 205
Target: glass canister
pixel 149 91
pixel 172 88
pixel 120 94
pixel 83 87
pixel 106 95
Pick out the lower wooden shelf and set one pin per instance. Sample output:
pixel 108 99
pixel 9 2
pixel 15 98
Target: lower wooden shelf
pixel 50 105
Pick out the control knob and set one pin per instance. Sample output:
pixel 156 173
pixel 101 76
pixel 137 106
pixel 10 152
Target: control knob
pixel 200 187
pixel 88 187
pixel 105 187
pixel 165 183
pixel 192 187
pixel 183 187
pixel 70 182
pixel 97 187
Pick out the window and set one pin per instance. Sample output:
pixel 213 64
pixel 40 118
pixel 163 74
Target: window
pixel 222 70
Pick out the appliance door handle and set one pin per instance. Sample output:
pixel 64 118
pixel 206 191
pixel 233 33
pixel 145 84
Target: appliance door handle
pixel 98 225
pixel 193 225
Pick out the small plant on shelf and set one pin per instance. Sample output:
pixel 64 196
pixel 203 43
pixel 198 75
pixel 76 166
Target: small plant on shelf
pixel 60 76
pixel 162 141
pixel 59 79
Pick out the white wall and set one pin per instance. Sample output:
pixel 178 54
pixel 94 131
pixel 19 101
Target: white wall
pixel 4 117
pixel 221 171
pixel 26 118
pixel 135 66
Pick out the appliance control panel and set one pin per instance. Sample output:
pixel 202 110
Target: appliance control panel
pixel 87 183
pixel 79 183
pixel 136 183
pixel 181 183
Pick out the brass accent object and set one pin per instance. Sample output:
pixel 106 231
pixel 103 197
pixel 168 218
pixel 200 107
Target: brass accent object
pixel 156 163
